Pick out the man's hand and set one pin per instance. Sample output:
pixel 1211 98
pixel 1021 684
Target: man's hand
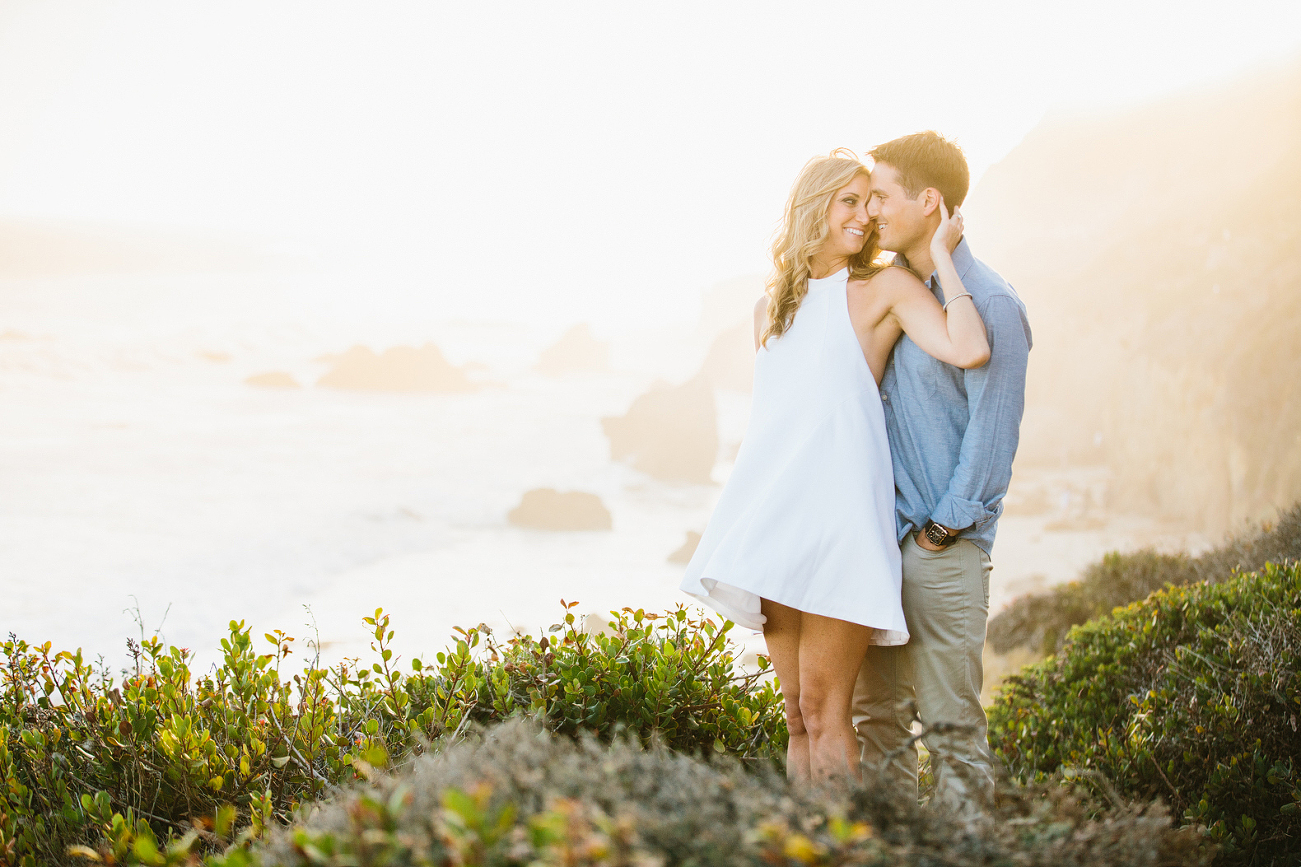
pixel 923 542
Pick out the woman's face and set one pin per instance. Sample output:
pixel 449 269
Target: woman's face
pixel 847 221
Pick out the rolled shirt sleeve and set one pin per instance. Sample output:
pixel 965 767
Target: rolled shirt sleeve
pixel 996 402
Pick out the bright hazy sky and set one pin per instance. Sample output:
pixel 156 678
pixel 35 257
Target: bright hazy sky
pixel 621 152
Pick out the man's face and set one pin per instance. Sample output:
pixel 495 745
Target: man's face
pixel 900 220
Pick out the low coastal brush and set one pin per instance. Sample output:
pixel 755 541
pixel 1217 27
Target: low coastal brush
pixel 90 760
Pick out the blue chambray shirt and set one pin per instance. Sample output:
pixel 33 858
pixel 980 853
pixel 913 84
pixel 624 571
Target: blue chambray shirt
pixel 953 432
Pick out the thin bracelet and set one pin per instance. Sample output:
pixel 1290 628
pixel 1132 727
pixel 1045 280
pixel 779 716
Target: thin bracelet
pixel 955 298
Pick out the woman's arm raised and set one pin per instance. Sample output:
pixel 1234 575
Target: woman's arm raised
pixel 954 333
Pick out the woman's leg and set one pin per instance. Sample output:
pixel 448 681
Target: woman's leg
pixel 781 632
pixel 830 653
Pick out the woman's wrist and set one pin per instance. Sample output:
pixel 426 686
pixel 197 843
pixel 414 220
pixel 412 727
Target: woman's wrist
pixel 940 252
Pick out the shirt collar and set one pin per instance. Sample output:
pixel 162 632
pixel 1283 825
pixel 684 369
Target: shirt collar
pixel 962 261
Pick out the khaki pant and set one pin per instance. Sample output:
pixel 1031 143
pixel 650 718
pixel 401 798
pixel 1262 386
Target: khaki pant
pixel 946 604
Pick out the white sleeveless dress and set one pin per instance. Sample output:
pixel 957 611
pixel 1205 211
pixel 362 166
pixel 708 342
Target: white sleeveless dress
pixel 807 517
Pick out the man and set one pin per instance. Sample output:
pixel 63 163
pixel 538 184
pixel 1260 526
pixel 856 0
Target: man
pixel 953 434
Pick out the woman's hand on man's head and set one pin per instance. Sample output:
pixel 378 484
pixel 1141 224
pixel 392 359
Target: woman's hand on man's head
pixel 949 232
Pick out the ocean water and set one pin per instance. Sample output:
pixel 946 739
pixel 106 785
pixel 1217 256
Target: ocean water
pixel 146 489
pixel 144 485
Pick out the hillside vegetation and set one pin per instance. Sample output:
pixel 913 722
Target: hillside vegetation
pixel 89 760
pixel 1191 696
pixel 1040 621
pixel 642 746
pixel 518 797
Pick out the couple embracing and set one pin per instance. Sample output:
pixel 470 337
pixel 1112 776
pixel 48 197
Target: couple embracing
pixel 855 530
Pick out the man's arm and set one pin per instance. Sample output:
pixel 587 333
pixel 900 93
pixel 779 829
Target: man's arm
pixel 995 401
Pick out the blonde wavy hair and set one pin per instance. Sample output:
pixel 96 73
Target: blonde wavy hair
pixel 803 232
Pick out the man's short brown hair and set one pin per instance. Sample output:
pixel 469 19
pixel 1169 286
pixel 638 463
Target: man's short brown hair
pixel 927 159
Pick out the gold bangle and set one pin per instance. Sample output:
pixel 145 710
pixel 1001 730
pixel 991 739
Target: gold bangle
pixel 956 297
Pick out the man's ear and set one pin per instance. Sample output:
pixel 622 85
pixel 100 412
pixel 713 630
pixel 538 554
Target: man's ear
pixel 930 201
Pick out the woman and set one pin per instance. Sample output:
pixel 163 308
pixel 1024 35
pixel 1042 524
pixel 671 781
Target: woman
pixel 802 543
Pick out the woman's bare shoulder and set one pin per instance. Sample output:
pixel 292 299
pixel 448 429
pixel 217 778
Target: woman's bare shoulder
pixel 896 276
pixel 892 279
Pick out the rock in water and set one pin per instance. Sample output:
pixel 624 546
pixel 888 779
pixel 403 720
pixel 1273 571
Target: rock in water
pixel 577 351
pixel 670 433
pixel 399 369
pixel 274 379
pixel 683 554
pixel 549 509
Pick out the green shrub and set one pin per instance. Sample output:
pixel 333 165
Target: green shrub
pixel 114 766
pixel 1193 696
pixel 1040 621
pixel 521 796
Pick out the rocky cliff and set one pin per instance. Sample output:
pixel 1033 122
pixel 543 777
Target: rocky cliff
pixel 1159 252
